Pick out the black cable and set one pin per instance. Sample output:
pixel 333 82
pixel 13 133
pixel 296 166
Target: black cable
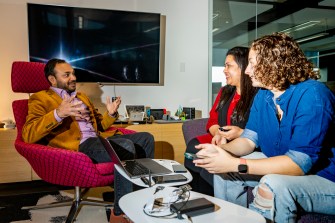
pixel 168 203
pixel 177 211
pixel 163 217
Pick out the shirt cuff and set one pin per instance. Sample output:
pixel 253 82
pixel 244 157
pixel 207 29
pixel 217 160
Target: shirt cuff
pixel 59 119
pixel 115 115
pixel 249 134
pixel 301 159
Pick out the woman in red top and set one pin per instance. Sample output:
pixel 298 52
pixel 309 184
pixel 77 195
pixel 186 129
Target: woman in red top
pixel 230 111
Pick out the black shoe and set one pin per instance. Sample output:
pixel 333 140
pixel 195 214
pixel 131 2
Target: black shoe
pixel 108 196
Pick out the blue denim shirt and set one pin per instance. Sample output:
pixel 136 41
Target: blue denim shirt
pixel 306 130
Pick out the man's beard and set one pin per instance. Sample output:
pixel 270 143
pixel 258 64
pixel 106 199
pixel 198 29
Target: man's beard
pixel 66 86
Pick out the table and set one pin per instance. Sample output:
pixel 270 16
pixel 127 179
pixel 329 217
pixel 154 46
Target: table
pixel 133 203
pixel 166 163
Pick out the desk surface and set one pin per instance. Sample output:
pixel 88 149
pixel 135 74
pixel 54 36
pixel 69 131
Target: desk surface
pixel 133 203
pixel 166 163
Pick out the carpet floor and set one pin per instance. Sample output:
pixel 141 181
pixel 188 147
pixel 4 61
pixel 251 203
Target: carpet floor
pixel 11 212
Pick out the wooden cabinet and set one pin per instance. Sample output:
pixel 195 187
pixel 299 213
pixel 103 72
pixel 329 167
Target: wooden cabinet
pixel 13 166
pixel 169 139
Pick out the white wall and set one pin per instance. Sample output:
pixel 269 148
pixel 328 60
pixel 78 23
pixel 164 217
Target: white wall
pixel 186 53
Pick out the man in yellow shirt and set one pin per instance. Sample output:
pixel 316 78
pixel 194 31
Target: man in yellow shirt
pixel 64 118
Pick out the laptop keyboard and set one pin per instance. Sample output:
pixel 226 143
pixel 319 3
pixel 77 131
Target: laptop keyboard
pixel 135 168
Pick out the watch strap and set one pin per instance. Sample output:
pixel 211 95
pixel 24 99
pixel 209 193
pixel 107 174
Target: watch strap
pixel 243 161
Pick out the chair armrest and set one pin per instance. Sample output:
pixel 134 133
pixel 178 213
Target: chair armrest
pixel 194 128
pixel 123 130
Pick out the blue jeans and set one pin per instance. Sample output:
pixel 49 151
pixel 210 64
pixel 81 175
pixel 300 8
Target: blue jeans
pixel 310 193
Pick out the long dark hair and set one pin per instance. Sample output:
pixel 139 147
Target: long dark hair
pixel 248 92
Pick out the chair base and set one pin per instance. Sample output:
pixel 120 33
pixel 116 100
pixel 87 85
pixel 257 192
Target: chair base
pixel 76 204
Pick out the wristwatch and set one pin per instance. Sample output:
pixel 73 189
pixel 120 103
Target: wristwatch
pixel 243 167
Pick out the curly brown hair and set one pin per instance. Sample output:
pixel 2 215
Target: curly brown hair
pixel 281 62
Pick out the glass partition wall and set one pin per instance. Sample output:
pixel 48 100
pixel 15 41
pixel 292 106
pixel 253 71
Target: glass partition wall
pixel 239 22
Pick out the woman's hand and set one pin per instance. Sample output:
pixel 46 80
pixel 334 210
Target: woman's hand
pixel 231 132
pixel 215 159
pixel 219 139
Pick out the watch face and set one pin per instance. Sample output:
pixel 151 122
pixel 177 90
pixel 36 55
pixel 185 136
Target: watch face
pixel 242 168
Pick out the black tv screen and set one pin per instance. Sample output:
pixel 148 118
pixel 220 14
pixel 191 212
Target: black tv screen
pixel 105 46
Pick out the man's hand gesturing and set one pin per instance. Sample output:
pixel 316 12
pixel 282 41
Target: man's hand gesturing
pixel 69 107
pixel 112 107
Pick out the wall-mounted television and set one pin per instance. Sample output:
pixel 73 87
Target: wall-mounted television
pixel 104 46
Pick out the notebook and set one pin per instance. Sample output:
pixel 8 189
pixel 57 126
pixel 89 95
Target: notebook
pixel 137 167
pixel 133 108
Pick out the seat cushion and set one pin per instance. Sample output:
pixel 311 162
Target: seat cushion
pixel 105 168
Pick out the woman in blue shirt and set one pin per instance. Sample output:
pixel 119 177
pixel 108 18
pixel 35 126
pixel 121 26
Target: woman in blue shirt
pixel 292 120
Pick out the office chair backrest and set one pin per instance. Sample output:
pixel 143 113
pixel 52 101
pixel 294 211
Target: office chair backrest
pixel 20 110
pixel 28 77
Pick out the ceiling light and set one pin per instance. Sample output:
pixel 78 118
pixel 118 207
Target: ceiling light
pixel 301 26
pixel 215 15
pixel 215 29
pixel 311 37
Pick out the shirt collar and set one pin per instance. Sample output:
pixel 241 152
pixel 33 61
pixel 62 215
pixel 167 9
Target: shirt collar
pixel 286 95
pixel 62 92
pixel 283 99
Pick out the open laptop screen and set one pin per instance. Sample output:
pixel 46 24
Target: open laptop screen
pixel 154 167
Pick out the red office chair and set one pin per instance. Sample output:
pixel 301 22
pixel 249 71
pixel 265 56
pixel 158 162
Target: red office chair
pixel 55 165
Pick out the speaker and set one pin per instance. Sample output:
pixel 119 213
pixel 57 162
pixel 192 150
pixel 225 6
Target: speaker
pixel 189 112
pixel 157 113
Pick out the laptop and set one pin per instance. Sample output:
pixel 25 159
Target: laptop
pixel 137 167
pixel 136 117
